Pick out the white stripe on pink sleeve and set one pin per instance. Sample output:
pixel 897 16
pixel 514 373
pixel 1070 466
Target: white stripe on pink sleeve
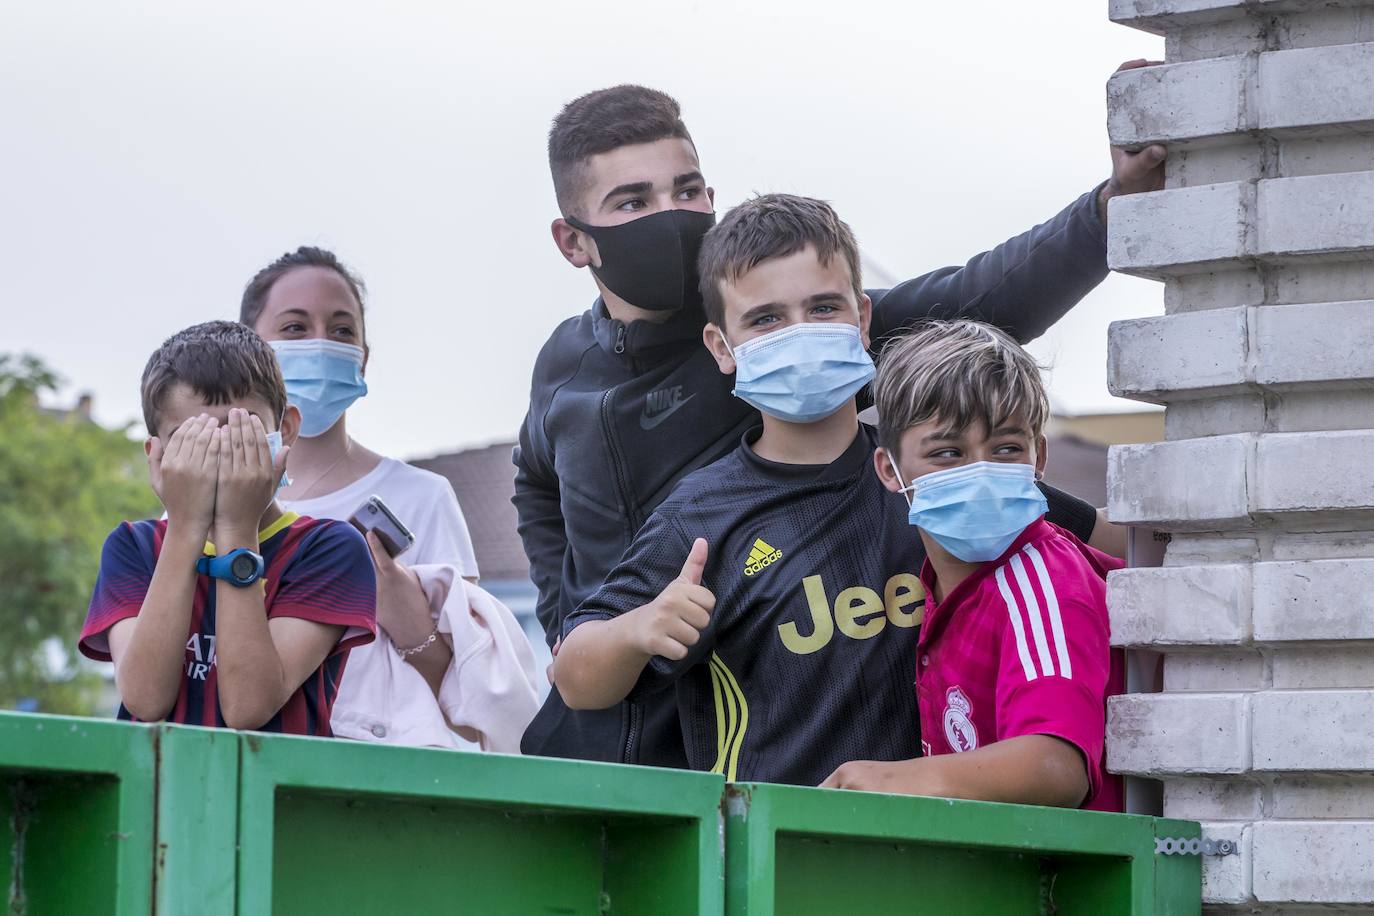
pixel 1052 605
pixel 1015 611
pixel 1042 646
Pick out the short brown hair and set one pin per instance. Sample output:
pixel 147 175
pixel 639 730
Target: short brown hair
pixel 221 361
pixel 958 372
pixel 601 121
pixel 256 292
pixel 772 226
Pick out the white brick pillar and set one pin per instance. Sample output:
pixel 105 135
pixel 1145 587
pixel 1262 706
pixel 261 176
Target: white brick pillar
pixel 1264 610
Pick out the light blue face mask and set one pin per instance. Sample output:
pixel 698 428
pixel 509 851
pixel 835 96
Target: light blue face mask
pixel 803 373
pixel 274 443
pixel 323 379
pixel 977 510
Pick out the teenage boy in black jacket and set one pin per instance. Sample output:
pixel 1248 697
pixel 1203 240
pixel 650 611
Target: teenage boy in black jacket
pixel 625 399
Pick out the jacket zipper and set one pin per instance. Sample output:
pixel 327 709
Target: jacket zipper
pixel 632 513
pixel 632 733
pixel 622 475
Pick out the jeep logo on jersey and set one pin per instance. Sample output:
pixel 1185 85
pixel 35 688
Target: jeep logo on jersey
pixel 859 612
pixel 760 555
pixel 660 405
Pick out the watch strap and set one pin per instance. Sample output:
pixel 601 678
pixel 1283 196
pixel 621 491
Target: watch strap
pixel 221 567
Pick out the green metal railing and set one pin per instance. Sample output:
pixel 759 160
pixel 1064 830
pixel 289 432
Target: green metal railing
pixel 402 830
pixel 105 817
pixel 77 800
pixel 793 850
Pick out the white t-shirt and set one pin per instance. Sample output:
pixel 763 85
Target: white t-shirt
pixel 375 679
pixel 422 500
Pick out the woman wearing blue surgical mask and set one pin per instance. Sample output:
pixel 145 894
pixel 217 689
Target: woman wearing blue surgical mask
pixel 406 689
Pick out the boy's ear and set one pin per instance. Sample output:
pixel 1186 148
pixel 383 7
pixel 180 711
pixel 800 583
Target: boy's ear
pixel 714 338
pixel 882 463
pixel 1042 455
pixel 290 425
pixel 574 245
pixel 865 317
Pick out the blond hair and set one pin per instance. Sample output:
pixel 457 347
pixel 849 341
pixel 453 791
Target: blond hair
pixel 956 372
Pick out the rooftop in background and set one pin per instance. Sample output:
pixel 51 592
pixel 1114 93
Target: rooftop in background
pixel 85 404
pixel 1109 428
pixel 1079 467
pixel 484 479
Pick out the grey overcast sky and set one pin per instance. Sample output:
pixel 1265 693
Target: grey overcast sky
pixel 155 155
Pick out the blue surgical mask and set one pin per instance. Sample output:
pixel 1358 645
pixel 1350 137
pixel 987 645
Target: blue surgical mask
pixel 323 379
pixel 977 510
pixel 274 444
pixel 803 373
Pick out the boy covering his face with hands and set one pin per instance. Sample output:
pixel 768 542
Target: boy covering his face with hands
pixel 230 612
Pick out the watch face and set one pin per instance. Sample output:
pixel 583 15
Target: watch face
pixel 243 566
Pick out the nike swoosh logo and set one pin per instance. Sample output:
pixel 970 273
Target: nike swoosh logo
pixel 648 422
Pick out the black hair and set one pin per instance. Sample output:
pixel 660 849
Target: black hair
pixel 221 361
pixel 256 292
pixel 601 121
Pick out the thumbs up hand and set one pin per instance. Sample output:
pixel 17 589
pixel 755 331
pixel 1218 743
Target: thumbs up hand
pixel 672 623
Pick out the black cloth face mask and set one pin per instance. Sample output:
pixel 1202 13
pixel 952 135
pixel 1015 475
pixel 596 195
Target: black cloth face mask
pixel 651 262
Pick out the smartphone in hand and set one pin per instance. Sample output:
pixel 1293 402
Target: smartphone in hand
pixel 374 515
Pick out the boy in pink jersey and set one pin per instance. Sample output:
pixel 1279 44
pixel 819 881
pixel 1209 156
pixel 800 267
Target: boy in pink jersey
pixel 1013 663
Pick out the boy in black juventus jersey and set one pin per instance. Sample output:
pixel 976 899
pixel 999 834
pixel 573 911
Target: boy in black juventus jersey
pixel 777 589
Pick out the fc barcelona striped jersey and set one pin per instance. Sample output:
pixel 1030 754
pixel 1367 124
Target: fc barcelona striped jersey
pixel 316 569
pixel 809 660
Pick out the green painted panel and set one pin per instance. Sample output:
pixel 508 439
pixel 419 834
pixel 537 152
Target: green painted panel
pixel 50 825
pixel 1177 878
pixel 411 830
pixel 250 824
pixel 76 815
pixel 795 850
pixel 829 875
pixel 1092 885
pixel 374 855
pixel 197 820
pixel 644 865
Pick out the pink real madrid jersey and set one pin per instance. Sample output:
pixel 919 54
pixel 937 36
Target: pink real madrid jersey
pixel 1021 647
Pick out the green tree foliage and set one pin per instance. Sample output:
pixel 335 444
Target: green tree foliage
pixel 65 482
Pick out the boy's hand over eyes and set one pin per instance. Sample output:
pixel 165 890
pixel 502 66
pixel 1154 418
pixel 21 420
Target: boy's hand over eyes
pixel 184 475
pixel 672 623
pixel 247 476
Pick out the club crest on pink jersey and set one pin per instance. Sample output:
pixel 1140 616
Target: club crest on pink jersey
pixel 960 731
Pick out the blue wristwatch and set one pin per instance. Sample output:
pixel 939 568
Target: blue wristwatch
pixel 239 568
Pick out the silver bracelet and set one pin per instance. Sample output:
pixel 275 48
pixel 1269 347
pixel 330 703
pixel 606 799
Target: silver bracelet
pixel 429 641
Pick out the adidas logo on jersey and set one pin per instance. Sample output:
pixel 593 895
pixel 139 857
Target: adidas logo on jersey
pixel 762 554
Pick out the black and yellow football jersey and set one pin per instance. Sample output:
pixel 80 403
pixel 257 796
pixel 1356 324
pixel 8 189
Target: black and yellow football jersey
pixel 809 658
